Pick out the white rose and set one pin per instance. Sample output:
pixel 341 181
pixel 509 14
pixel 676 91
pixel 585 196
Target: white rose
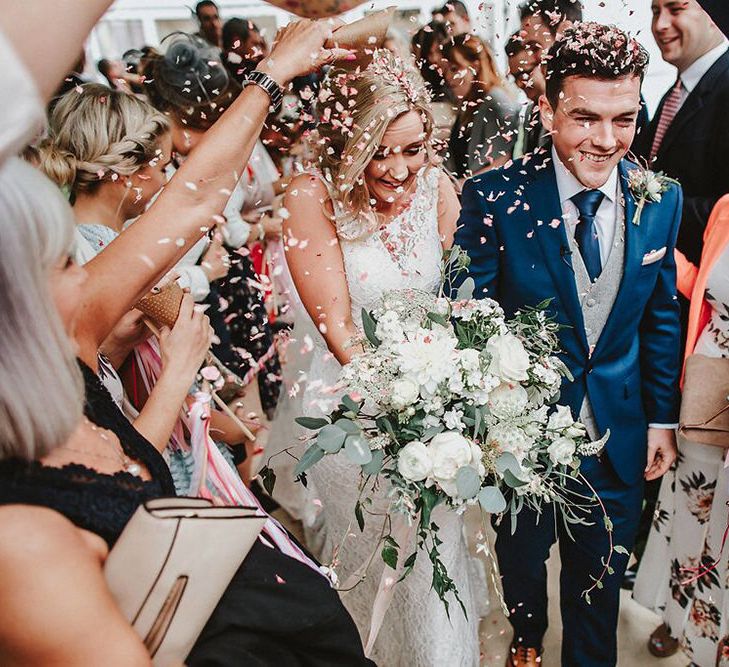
pixel 404 392
pixel 448 451
pixel 560 419
pixel 413 461
pixel 508 401
pixel 562 451
pixel 509 359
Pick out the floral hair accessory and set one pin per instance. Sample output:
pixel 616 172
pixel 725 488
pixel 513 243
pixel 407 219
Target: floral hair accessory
pixel 394 72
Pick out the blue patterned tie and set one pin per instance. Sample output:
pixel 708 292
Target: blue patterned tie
pixel 587 203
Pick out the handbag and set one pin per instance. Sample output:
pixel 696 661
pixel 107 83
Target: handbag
pixel 171 565
pixel 705 403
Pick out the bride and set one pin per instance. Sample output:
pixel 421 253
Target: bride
pixel 374 215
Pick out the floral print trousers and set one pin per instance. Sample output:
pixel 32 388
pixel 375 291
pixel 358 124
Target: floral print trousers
pixel 688 529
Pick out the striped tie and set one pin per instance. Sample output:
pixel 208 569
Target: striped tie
pixel 668 113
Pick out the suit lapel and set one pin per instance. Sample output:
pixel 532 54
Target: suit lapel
pixel 694 103
pixel 546 212
pixel 635 241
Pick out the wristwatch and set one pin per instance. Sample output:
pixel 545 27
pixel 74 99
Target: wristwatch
pixel 262 80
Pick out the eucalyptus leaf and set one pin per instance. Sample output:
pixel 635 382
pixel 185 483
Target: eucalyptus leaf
pixel 507 461
pixel 312 455
pixel 357 450
pixel 311 423
pixel 432 431
pixel 268 478
pixel 467 482
pixel 331 438
pixel 359 515
pixel 370 326
pixel 512 480
pixel 438 319
pixel 389 555
pixel 348 426
pixel 465 291
pixel 492 500
pixel 350 404
pixel 375 465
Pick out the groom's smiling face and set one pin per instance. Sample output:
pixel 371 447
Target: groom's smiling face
pixel 593 124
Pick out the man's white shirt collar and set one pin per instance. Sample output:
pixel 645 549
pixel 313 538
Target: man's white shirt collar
pixel 694 73
pixel 568 186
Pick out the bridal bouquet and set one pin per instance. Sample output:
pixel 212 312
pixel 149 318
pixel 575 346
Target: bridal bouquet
pixel 453 403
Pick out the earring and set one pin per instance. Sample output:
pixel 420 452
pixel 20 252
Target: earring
pixel 128 184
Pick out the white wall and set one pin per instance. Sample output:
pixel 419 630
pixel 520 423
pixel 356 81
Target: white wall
pixel 130 23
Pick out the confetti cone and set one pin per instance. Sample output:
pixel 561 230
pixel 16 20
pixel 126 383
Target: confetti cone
pixel 162 307
pixel 364 35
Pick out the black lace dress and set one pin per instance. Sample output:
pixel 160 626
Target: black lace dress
pixel 276 610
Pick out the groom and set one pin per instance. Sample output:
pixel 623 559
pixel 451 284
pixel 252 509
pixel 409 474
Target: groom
pixel 560 225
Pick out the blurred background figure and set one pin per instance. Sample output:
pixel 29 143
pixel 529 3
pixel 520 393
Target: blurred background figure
pixel 526 71
pixel 487 119
pixel 211 27
pixel 456 17
pixel 243 47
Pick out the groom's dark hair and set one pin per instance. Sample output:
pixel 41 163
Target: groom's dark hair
pixel 594 51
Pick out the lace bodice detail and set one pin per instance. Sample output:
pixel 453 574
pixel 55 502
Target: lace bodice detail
pixel 100 503
pixel 405 253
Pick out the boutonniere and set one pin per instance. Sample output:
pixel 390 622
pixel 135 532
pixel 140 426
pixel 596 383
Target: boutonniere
pixel 647 187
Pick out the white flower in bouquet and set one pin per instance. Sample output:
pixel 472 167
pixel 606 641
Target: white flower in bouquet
pixel 509 359
pixel 508 400
pixel 405 392
pixel 562 451
pixel 453 420
pixel 428 357
pixel 562 424
pixel 389 328
pixel 508 437
pixel 449 452
pixel 548 377
pixel 560 419
pixel 414 462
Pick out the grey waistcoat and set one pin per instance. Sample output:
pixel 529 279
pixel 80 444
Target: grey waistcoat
pixel 597 299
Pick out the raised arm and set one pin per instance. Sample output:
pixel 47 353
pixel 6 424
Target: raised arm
pixel 49 35
pixel 316 264
pixel 196 196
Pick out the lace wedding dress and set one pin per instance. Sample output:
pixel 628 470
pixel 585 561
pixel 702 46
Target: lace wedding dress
pixel 416 631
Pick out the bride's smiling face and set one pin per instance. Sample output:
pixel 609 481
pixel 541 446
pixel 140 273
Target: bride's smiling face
pixel 395 164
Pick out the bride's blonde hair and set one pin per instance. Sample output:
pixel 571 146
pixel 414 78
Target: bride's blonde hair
pixel 96 133
pixel 355 109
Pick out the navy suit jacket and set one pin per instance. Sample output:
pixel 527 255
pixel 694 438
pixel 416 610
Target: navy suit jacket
pixel 511 227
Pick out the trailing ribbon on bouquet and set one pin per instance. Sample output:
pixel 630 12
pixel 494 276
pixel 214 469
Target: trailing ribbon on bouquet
pixel 213 478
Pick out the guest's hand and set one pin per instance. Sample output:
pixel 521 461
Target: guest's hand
pixel 129 332
pixel 216 261
pixel 185 345
pixel 662 452
pixel 298 49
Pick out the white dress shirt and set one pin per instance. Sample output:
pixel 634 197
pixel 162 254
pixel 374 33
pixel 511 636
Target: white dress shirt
pixel 610 214
pixel 695 71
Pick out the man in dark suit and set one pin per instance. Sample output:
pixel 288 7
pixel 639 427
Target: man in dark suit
pixel 560 225
pixel 688 138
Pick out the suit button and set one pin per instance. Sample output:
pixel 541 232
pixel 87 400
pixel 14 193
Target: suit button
pixel 590 302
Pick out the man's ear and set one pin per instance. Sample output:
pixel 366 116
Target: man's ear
pixel 546 112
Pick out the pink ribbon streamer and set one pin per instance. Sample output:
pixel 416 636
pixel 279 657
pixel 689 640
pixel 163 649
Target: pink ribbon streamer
pixel 213 477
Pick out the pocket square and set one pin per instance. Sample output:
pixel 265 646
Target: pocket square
pixel 654 256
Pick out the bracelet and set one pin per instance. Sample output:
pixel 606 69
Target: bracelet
pixel 272 89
